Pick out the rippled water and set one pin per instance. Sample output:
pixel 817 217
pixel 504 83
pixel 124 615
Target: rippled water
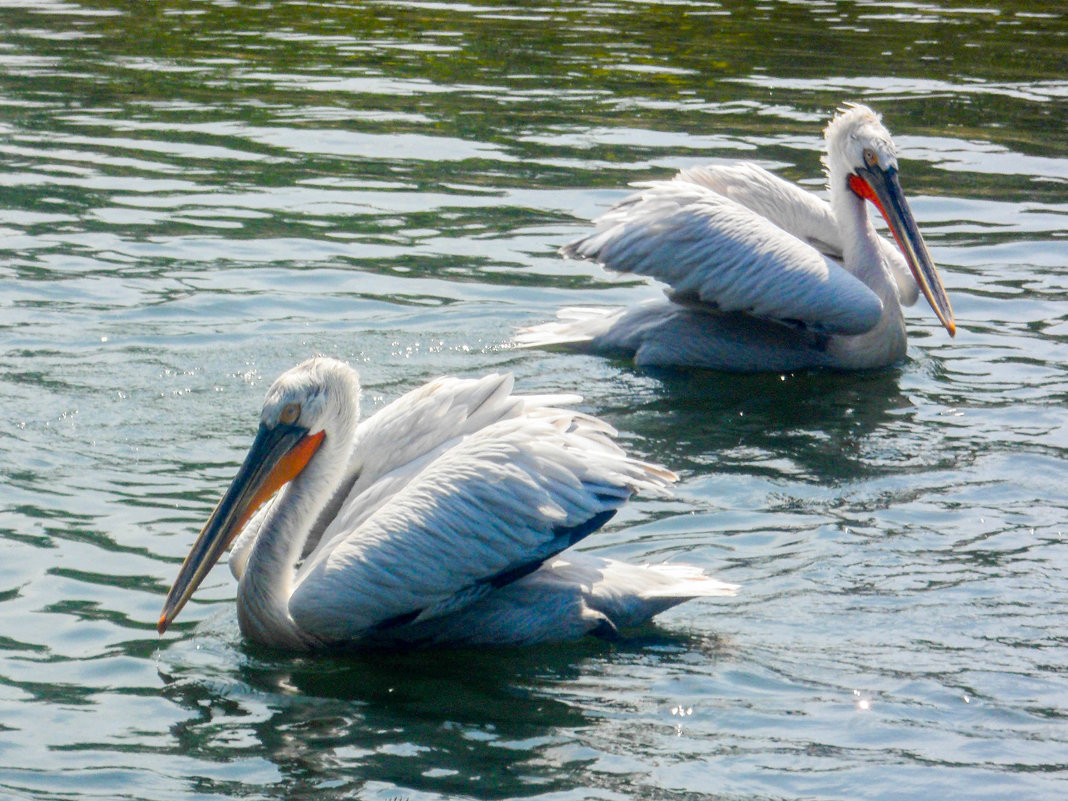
pixel 196 195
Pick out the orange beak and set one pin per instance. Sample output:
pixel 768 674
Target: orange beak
pixel 883 189
pixel 277 456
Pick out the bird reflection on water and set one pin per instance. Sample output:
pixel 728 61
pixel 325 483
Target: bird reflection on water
pixel 361 717
pixel 816 425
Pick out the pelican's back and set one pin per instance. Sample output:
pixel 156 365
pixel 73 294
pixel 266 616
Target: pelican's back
pixel 478 513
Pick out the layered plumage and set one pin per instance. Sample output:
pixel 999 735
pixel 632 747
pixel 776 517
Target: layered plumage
pixel 762 275
pixel 439 520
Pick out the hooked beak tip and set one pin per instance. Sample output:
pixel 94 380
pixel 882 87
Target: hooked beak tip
pixel 161 627
pixel 882 188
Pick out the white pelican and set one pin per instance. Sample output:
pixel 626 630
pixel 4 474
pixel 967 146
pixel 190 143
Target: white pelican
pixel 438 520
pixel 763 275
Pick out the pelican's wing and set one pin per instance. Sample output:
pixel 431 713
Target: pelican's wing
pixel 796 211
pixel 786 204
pixel 397 441
pixel 716 252
pixel 489 510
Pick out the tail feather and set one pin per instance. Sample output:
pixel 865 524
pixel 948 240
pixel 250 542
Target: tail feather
pixel 628 595
pixel 688 581
pixel 573 325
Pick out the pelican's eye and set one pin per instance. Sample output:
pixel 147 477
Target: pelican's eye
pixel 870 158
pixel 290 414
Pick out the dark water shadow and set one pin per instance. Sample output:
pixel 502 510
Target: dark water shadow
pixel 818 426
pixel 486 721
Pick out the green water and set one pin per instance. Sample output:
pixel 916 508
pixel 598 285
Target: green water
pixel 194 196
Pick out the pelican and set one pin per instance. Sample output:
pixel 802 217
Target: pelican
pixel 439 520
pixel 763 275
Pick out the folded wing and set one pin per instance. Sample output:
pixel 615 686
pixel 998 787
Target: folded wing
pixel 714 251
pixel 489 508
pixel 796 211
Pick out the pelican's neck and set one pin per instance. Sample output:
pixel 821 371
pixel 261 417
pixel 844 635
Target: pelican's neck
pixel 267 582
pixel 886 342
pixel 860 248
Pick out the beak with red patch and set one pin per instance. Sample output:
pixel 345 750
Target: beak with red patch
pixel 883 189
pixel 277 455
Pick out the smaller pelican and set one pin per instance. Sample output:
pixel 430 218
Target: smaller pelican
pixel 439 520
pixel 763 275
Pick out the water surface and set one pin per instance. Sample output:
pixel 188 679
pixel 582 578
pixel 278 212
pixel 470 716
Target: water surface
pixel 196 195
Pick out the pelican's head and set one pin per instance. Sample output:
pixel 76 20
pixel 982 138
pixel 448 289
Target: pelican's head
pixel 318 395
pixel 309 406
pixel 855 135
pixel 861 158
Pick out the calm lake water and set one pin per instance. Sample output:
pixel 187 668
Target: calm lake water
pixel 196 195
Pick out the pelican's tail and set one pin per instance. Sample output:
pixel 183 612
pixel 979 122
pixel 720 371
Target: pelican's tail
pixel 628 595
pixel 574 325
pixel 687 581
pixel 567 597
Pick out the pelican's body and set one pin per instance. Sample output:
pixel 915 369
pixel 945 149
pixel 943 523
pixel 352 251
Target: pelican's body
pixel 763 275
pixel 437 521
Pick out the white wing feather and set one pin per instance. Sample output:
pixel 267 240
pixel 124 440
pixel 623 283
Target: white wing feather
pixel 796 211
pixel 395 443
pixel 709 247
pixel 498 500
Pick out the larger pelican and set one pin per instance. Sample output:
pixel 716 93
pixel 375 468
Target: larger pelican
pixel 763 275
pixel 438 520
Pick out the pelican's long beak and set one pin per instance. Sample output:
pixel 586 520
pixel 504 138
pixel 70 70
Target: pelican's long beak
pixel 883 189
pixel 277 455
